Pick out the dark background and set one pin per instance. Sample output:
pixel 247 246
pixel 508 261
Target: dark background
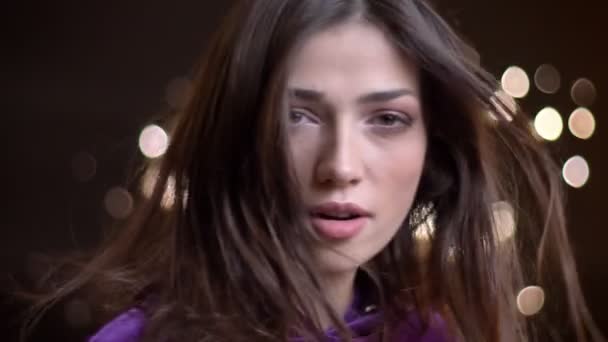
pixel 87 76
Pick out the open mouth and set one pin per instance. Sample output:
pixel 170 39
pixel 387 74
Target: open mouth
pixel 338 227
pixel 343 217
pixel 339 221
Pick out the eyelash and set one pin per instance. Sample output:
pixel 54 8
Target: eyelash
pixel 304 113
pixel 404 120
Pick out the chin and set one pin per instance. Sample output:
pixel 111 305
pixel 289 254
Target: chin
pixel 339 261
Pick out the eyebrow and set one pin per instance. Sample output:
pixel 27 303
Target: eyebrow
pixel 377 96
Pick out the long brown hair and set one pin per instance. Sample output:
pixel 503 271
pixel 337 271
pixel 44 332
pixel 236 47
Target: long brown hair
pixel 230 260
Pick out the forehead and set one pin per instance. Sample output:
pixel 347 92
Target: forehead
pixel 354 54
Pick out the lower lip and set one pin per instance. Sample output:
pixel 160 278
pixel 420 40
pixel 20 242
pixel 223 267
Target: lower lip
pixel 339 229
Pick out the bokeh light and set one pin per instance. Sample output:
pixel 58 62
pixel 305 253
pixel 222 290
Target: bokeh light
pixel 583 92
pixel 84 166
pixel 423 236
pixel 549 124
pixel 148 182
pixel 153 141
pixel 501 99
pixel 425 231
pixel 504 220
pixel 530 300
pixel 582 123
pixel 452 254
pixel 515 82
pixel 547 79
pixel 118 203
pixel 576 172
pixel 178 92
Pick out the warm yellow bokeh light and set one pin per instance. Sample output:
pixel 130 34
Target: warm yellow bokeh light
pixel 547 79
pixel 515 82
pixel 576 172
pixel 582 123
pixel 423 236
pixel 530 300
pixel 153 141
pixel 549 124
pixel 425 231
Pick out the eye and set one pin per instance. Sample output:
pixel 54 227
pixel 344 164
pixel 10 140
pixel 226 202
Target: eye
pixel 389 119
pixel 299 116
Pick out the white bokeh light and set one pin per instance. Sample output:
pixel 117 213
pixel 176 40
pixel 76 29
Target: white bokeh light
pixel 153 141
pixel 549 124
pixel 576 172
pixel 504 220
pixel 530 300
pixel 515 82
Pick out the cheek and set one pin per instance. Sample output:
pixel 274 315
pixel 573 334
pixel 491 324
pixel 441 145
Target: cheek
pixel 398 174
pixel 404 171
pixel 303 151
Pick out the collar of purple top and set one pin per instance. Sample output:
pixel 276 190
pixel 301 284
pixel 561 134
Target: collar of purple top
pixel 363 319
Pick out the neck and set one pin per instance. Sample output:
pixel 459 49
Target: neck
pixel 339 291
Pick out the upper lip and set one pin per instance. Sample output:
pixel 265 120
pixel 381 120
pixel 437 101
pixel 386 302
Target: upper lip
pixel 339 208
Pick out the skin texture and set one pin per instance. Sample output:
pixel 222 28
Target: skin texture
pixel 345 149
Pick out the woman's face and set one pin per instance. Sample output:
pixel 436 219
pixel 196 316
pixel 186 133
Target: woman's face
pixel 357 139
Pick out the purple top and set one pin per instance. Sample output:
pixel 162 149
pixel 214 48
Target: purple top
pixel 128 326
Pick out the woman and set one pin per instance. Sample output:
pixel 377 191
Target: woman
pixel 322 135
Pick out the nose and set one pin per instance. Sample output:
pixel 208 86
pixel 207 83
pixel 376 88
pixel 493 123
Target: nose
pixel 339 163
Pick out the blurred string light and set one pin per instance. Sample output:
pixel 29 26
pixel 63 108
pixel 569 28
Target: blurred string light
pixel 515 82
pixel 504 220
pixel 118 203
pixel 530 300
pixel 153 141
pixel 84 166
pixel 582 123
pixel 549 124
pixel 547 79
pixel 148 182
pixel 576 172
pixel 583 92
pixel 178 92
